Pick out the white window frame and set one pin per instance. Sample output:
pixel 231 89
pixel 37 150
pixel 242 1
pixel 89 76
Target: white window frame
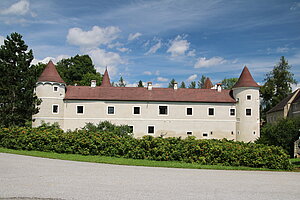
pixel 110 113
pixel 246 112
pixel 189 132
pixel 168 110
pixel 148 130
pixel 83 109
pixel 137 107
pixel 230 112
pixel 186 111
pixel 205 133
pixel 208 112
pixel 57 109
pixel 247 97
pixel 55 86
pixel 132 128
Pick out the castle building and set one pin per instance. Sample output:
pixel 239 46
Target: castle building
pixel 171 112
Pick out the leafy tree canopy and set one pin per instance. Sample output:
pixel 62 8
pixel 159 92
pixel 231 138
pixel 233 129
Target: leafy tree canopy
pixel 88 77
pixel 17 82
pixel 228 83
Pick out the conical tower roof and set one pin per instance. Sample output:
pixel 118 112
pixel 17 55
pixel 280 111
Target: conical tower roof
pixel 246 79
pixel 208 84
pixel 105 80
pixel 50 74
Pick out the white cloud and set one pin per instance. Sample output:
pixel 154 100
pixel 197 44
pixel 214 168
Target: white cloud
pixel 134 36
pixel 295 6
pixel 192 78
pixel 203 62
pixel 117 44
pixel 154 48
pixel 47 59
pixel 191 53
pixel 123 49
pixel 178 46
pixel 282 49
pixel 19 8
pixel 1 40
pixel 162 79
pixel 93 38
pixel 157 72
pixel 147 73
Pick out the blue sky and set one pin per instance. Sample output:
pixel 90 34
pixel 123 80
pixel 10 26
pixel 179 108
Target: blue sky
pixel 160 40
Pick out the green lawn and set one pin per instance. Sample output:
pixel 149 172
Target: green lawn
pixel 134 162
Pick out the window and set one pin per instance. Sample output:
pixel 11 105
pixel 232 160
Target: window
pixel 151 129
pixel 248 112
pixel 79 110
pixel 111 110
pixel 189 111
pixel 136 110
pixel 54 109
pixel 131 129
pixel 55 88
pixel 205 134
pixel 189 133
pixel 232 112
pixel 249 97
pixel 231 132
pixel 253 132
pixel 163 110
pixel 211 111
pixel 211 132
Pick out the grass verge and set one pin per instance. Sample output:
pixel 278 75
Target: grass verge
pixel 127 161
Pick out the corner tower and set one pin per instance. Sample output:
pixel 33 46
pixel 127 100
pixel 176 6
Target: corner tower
pixel 246 93
pixel 51 89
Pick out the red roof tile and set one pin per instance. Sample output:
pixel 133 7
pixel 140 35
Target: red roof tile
pixel 143 94
pixel 246 79
pixel 105 80
pixel 50 74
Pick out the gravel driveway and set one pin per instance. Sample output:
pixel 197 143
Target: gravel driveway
pixel 25 177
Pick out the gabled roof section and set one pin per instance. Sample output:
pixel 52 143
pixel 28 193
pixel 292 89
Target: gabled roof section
pixel 143 94
pixel 246 79
pixel 105 80
pixel 50 74
pixel 294 97
pixel 208 84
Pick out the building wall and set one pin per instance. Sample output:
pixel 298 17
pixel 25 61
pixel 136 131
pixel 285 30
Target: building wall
pixel 275 116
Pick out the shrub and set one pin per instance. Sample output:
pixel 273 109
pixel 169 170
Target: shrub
pixel 99 142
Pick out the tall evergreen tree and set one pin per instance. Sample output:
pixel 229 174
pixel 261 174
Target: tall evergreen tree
pixel 201 82
pixel 140 84
pixel 182 85
pixel 17 82
pixel 171 84
pixel 278 84
pixel 192 85
pixel 121 82
pixel 228 83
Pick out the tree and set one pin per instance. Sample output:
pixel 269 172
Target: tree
pixel 73 69
pixel 277 85
pixel 228 83
pixel 88 77
pixel 17 82
pixel 192 85
pixel 121 83
pixel 171 84
pixel 201 82
pixel 140 84
pixel 182 85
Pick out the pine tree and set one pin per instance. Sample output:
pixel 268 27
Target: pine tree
pixel 140 84
pixel 277 85
pixel 201 82
pixel 182 85
pixel 121 82
pixel 192 85
pixel 17 82
pixel 171 84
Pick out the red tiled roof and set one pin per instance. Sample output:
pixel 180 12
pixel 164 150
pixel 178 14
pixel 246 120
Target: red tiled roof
pixel 105 80
pixel 208 84
pixel 246 79
pixel 50 74
pixel 143 94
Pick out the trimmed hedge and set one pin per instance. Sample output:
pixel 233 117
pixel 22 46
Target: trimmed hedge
pixel 191 150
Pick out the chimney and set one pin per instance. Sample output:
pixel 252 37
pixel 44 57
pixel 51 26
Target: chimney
pixel 149 86
pixel 219 87
pixel 93 83
pixel 175 85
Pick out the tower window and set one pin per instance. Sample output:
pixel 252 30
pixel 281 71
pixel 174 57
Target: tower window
pixel 189 133
pixel 249 97
pixel 111 110
pixel 189 111
pixel 163 110
pixel 248 112
pixel 54 109
pixel 232 112
pixel 79 109
pixel 55 89
pixel 211 111
pixel 205 134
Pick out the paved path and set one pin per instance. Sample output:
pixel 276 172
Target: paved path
pixel 35 178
